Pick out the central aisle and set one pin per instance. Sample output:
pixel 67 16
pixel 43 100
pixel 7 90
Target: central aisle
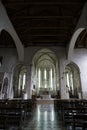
pixel 44 118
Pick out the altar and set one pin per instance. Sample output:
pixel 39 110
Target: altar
pixel 45 93
pixel 45 96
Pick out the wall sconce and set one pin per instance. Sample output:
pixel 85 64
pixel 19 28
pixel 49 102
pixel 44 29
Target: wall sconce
pixel 1 58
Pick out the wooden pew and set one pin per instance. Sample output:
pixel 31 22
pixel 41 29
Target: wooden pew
pixel 10 115
pixel 13 112
pixel 80 120
pixel 3 119
pixel 14 118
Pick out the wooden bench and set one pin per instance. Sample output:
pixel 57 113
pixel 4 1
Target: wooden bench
pixel 80 120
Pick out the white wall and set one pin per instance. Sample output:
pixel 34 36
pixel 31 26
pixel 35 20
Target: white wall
pixel 31 51
pixel 80 58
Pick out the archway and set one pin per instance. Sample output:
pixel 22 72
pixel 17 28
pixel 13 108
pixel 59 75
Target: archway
pixel 73 41
pixel 45 75
pixel 19 81
pixel 6 24
pixel 72 81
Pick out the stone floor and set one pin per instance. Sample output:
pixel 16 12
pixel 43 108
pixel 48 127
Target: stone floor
pixel 44 118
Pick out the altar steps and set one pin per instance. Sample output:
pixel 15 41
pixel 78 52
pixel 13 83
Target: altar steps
pixel 45 101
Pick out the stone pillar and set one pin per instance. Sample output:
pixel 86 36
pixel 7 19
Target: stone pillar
pixel 28 82
pixel 37 88
pixel 63 90
pixel 55 91
pixel 10 96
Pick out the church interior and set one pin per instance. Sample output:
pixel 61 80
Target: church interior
pixel 43 61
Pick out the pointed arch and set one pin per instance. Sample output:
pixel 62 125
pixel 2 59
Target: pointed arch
pixel 43 61
pixel 19 80
pixel 73 81
pixel 6 24
pixel 73 41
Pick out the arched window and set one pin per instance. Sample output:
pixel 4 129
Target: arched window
pixel 19 81
pixel 69 78
pixel 72 80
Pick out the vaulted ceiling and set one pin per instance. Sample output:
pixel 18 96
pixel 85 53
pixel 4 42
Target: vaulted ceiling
pixel 44 22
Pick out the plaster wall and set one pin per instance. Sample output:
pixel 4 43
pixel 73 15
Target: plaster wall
pixel 80 58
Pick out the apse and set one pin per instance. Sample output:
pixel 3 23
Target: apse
pixel 45 73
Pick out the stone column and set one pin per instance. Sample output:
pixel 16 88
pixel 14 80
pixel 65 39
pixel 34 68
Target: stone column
pixel 55 91
pixel 10 96
pixel 28 82
pixel 63 90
